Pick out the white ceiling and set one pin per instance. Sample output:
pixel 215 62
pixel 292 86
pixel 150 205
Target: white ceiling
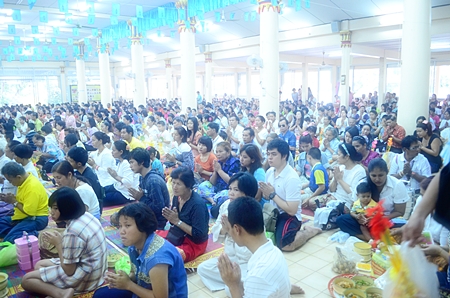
pixel 320 12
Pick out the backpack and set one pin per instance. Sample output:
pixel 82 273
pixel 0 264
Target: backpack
pixel 270 215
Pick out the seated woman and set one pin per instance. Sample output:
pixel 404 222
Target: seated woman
pixel 188 216
pixel 388 189
pixel 330 143
pixel 64 176
pixel 88 131
pixel 360 144
pixel 204 161
pixel 102 159
pixel 251 162
pixel 431 145
pixel 157 269
pixel 117 193
pixel 81 248
pixel 181 154
pixel 241 185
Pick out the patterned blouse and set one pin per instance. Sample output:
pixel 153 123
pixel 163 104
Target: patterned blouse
pixel 231 166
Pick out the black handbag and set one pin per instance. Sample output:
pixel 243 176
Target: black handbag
pixel 175 235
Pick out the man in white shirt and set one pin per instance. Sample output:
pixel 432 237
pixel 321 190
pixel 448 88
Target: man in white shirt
pixel 411 165
pixel 267 271
pixel 283 190
pixel 213 133
pixel 234 132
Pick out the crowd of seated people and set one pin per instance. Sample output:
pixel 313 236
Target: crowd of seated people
pixel 312 156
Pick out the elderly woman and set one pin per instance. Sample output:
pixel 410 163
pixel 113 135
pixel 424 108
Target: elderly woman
pixel 181 154
pixel 82 251
pixel 204 162
pixel 330 143
pixel 388 189
pixel 188 216
pixel 241 184
pixel 361 146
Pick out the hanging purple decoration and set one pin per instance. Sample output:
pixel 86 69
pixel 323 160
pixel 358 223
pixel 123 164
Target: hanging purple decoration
pixel 31 3
pixel 17 40
pixel 16 15
pixel 56 30
pixel 139 12
pixel 232 16
pixel 43 17
pixel 298 5
pixel 34 30
pixel 91 19
pixel 63 5
pixel 76 31
pixel 246 16
pixel 11 29
pixel 307 4
pixel 253 16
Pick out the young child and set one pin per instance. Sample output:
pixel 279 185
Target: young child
pixel 312 132
pixel 29 136
pixel 360 206
pixel 318 180
pixel 155 160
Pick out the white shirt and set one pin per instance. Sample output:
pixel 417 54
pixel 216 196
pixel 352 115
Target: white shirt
pixel 394 192
pixel 237 134
pixel 104 161
pixel 351 177
pixel 224 122
pixel 4 160
pixel 263 136
pixel 287 186
pixel 216 141
pixel 267 274
pixel 153 132
pixel 89 198
pixel 443 123
pixel 129 179
pixel 419 164
pixel 29 167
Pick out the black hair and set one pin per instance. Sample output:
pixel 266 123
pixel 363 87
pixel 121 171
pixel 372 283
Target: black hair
pixel 254 153
pixel 31 126
pixel 420 118
pixel 128 117
pixel 143 216
pixel 101 136
pixel 207 141
pixel 376 163
pixel 120 125
pixel 69 203
pixel 315 153
pixel 92 122
pixel 263 120
pixel 128 129
pixel 47 129
pixel 281 146
pixel 408 141
pixel 195 129
pixel 152 150
pixel 61 123
pixel 306 139
pixel 122 146
pixel 71 139
pixel 347 149
pixel 39 138
pixel 13 169
pixel 247 213
pixel 64 168
pixel 79 155
pixel 250 131
pixel 141 156
pixel 12 144
pixel 312 129
pixel 353 131
pixel 363 187
pixel 427 127
pixel 185 175
pixel 182 132
pixel 23 151
pixel 246 183
pixel 215 126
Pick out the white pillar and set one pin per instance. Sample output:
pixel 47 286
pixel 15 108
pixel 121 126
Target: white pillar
pixel 269 52
pixel 346 46
pixel 169 81
pixel 63 84
pixel 236 84
pixel 175 86
pixel 105 77
pixel 188 73
pixel 81 79
pixel 334 82
pixel 137 68
pixel 382 81
pixel 415 72
pixel 208 77
pixel 249 84
pixel 305 70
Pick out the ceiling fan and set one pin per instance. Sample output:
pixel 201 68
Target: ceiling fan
pixel 323 60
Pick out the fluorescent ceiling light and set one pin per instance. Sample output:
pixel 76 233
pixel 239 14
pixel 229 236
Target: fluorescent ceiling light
pixel 364 55
pixel 440 46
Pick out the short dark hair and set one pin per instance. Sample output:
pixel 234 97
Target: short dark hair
pixel 23 151
pixel 47 129
pixel 215 126
pixel 247 213
pixel 13 169
pixel 69 203
pixel 312 129
pixel 207 141
pixel 79 155
pixel 363 187
pixel 408 141
pixel 185 175
pixel 306 139
pixel 39 138
pixel 141 156
pixel 12 144
pixel 119 125
pixel 182 132
pixel 31 126
pixel 128 129
pixel 250 131
pixel 246 183
pixel 71 139
pixel 143 216
pixel 315 153
pixel 61 123
pixel 281 146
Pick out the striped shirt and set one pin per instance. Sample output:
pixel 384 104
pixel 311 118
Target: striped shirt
pixel 267 274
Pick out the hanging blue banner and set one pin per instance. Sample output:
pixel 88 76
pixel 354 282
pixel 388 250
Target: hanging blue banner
pixel 35 51
pixel 161 13
pixel 17 40
pixel 89 48
pixel 307 4
pixel 134 22
pixel 2 4
pixel 87 41
pixel 5 51
pixel 11 29
pixel 53 40
pixel 290 2
pixel 200 15
pixel 76 31
pixel 69 18
pixel 63 5
pixel 34 30
pixel 20 51
pixel 217 16
pixel 31 3
pixel 70 41
pixel 36 41
pixel 21 58
pixel 298 5
pixel 114 20
pixel 50 52
pixel 115 9
pixel 90 7
pixel 172 33
pixel 232 16
pixel 246 16
pixel 56 57
pixel 43 17
pixel 139 12
pixel 56 30
pixel 253 16
pixel 11 49
pixel 91 19
pixel 16 15
pixel 95 32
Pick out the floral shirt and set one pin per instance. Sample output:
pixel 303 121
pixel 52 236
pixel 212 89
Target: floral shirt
pixel 231 166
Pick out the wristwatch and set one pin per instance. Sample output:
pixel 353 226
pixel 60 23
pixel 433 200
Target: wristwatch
pixel 272 195
pixel 15 204
pixel 179 223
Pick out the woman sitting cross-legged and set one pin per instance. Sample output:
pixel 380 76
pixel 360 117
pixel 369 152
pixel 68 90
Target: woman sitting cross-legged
pixel 157 269
pixel 189 216
pixel 81 249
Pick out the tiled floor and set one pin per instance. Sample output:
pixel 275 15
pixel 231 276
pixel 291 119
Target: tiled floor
pixel 309 267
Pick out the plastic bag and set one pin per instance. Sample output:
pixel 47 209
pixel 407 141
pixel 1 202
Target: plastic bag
pixel 345 261
pixel 422 282
pixel 8 255
pixel 339 237
pixel 124 265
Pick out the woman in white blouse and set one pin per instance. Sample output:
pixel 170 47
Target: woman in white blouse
pixel 102 159
pixel 117 193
